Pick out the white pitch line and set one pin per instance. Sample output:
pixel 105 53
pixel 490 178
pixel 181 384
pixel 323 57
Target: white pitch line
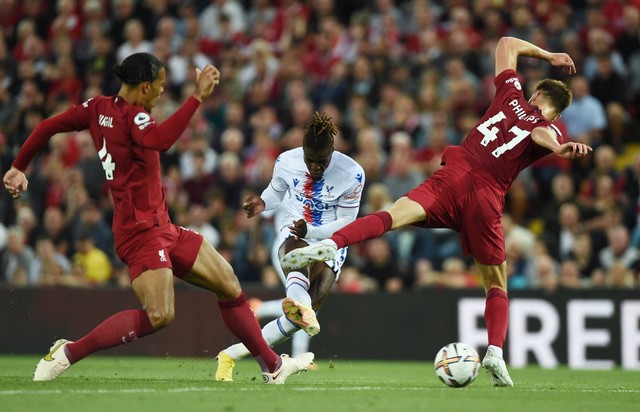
pixel 291 388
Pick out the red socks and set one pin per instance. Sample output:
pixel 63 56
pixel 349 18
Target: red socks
pixel 241 321
pixel 367 227
pixel 121 328
pixel 496 315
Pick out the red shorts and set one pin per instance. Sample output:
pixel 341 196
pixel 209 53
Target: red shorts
pixel 166 246
pixel 455 198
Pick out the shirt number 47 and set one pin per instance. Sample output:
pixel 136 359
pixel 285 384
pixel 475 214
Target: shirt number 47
pixel 491 133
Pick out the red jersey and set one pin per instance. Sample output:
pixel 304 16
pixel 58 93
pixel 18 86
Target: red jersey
pixel 500 144
pixel 129 142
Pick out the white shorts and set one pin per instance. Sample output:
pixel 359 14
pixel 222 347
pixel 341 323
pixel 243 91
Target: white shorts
pixel 284 233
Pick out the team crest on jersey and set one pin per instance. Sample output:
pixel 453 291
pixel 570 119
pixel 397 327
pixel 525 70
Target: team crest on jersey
pixel 329 189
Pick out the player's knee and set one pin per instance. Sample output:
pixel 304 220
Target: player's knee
pixel 160 318
pixel 230 287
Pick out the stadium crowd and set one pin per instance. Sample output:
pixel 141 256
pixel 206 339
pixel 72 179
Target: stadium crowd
pixel 401 79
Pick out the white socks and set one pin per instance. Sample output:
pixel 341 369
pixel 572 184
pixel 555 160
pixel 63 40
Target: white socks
pixel 274 332
pixel 297 288
pixel 280 329
pixel 496 350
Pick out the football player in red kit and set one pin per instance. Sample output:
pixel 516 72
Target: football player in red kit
pixel 129 143
pixel 468 193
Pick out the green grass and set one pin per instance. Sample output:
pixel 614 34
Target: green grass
pixel 184 384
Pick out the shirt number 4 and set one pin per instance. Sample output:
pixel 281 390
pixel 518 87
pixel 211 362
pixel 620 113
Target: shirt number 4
pixel 107 163
pixel 491 133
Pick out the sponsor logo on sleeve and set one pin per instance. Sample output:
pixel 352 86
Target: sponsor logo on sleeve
pixel 515 82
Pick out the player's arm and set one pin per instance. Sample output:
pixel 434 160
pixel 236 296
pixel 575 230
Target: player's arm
pixel 571 150
pixel 15 181
pixel 268 200
pixel 510 48
pixel 344 216
pixel 162 137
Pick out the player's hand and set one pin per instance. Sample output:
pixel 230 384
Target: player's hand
pixel 573 150
pixel 15 182
pixel 298 228
pixel 563 60
pixel 206 80
pixel 253 205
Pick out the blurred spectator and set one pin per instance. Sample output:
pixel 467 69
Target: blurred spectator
pixel 620 276
pixel 17 260
pixel 197 185
pixel 599 42
pixel 570 277
pixel 619 251
pixel 585 117
pixel 182 64
pixel 90 263
pixel 545 273
pixel 628 42
pixel 135 40
pixel 198 223
pixel 561 242
pixel 230 178
pixel 381 265
pixel 352 281
pixel 584 256
pixel 610 88
pixel 26 220
pixel 197 146
pixel 50 267
pixel 563 191
pixel 218 11
pixel 401 174
pixel 55 228
pixel 92 221
pixel 454 274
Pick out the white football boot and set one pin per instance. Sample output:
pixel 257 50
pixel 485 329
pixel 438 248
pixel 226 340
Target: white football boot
pixel 54 363
pixel 498 369
pixel 323 250
pixel 289 367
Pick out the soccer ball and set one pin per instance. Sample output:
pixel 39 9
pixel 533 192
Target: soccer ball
pixel 457 364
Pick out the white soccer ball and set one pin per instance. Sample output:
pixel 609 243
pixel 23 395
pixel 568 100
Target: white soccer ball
pixel 457 364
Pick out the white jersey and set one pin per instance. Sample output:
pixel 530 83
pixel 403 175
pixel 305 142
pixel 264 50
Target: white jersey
pixel 318 202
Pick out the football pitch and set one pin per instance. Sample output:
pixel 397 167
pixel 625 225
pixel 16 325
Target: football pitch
pixel 186 384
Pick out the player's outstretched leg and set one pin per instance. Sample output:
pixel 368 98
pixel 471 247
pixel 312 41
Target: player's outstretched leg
pixel 297 258
pixel 289 367
pixel 54 363
pixel 301 315
pixel 497 368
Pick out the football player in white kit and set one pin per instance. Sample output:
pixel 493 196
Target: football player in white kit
pixel 320 190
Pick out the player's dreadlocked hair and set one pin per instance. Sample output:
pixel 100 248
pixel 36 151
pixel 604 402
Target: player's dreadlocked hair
pixel 319 132
pixel 556 92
